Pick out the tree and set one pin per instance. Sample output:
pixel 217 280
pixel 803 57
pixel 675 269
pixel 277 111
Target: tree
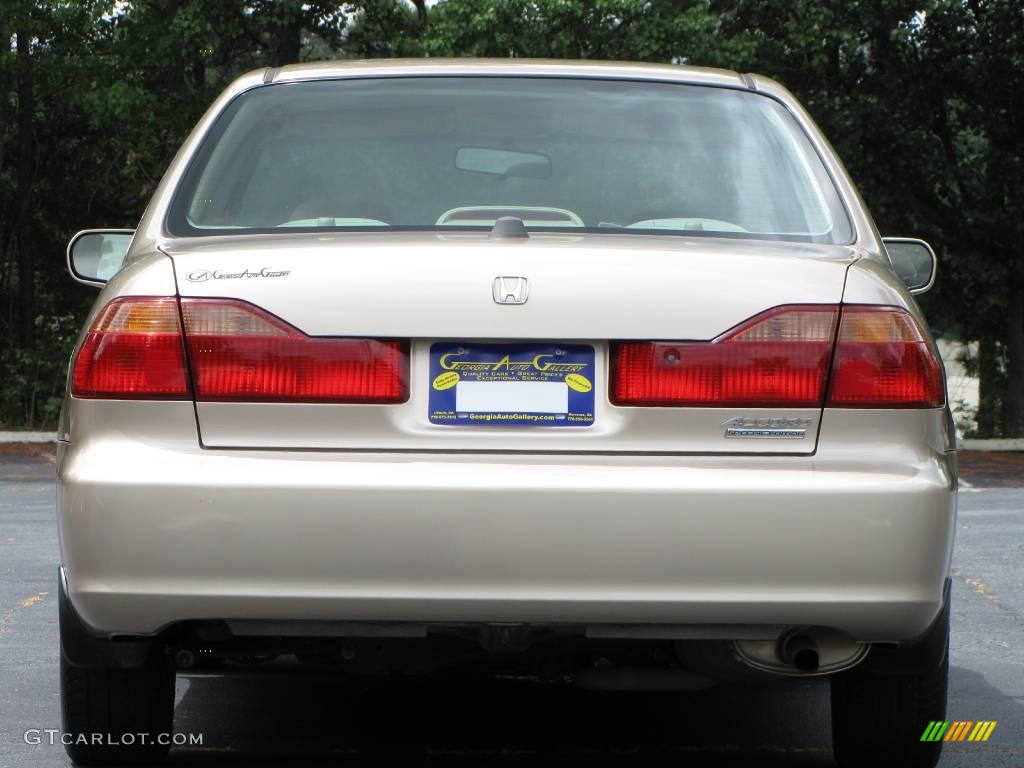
pixel 908 94
pixel 24 225
pixel 921 98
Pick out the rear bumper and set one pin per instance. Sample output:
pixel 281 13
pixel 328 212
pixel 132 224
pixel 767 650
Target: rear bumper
pixel 162 531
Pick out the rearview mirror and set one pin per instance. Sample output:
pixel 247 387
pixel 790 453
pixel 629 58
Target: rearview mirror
pixel 95 255
pixel 913 260
pixel 503 162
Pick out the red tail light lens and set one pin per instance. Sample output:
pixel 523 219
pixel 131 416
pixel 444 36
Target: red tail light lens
pixel 239 352
pixel 133 350
pixel 882 360
pixel 779 358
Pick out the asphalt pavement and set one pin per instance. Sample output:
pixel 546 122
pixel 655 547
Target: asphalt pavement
pixel 268 719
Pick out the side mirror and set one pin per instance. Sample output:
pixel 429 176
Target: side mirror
pixel 914 262
pixel 95 255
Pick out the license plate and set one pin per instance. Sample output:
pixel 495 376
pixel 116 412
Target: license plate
pixel 539 385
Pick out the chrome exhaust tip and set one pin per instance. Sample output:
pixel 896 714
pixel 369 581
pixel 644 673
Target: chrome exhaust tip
pixel 799 650
pixel 802 651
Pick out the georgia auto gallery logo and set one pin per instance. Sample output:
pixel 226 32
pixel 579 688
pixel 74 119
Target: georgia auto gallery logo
pixel 202 275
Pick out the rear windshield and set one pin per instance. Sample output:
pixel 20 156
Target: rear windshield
pixel 560 154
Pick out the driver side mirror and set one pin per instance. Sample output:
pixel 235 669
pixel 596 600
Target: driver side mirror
pixel 913 260
pixel 95 255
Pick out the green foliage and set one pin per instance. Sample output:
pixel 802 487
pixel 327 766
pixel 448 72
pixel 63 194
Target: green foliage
pixel 922 99
pixel 632 30
pixel 33 383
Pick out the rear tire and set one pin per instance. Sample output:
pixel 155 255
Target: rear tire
pixel 879 716
pixel 107 703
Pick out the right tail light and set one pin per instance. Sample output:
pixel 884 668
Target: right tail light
pixel 777 359
pixel 793 356
pixel 882 360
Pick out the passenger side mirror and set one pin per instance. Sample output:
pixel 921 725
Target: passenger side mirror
pixel 914 262
pixel 95 255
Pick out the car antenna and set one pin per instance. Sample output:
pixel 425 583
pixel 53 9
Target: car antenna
pixel 509 227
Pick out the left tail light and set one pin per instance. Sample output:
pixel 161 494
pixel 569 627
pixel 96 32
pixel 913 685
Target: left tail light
pixel 133 349
pixel 239 352
pixel 136 349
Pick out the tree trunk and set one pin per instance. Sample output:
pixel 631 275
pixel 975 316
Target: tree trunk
pixel 989 397
pixel 4 112
pixel 1013 425
pixel 25 180
pixel 286 35
pixel 284 44
pixel 421 14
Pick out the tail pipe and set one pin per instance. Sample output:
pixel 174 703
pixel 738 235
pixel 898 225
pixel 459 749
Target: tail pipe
pixel 799 650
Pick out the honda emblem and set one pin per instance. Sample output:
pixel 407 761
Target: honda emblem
pixel 511 290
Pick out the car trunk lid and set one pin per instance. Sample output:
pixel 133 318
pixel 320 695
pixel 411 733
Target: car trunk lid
pixel 443 293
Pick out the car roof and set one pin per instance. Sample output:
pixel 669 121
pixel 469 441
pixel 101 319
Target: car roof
pixel 536 67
